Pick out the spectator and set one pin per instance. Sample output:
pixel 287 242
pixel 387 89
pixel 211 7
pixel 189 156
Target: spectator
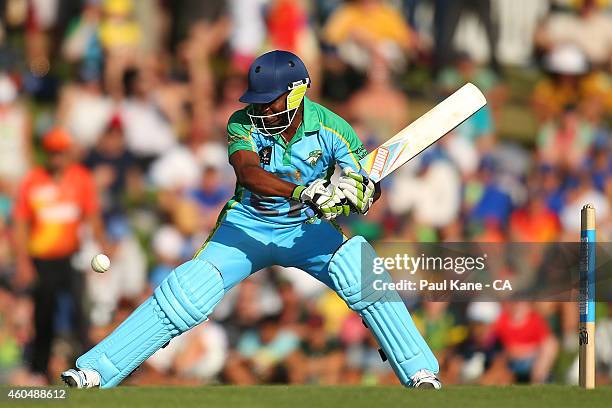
pixel 535 222
pixel 601 166
pixel 437 323
pixel 566 142
pixel 232 89
pixel 84 110
pixel 170 95
pixel 121 37
pixel 52 203
pixel 248 31
pixel 82 41
pixel 447 14
pixel 569 82
pixel 590 30
pixel 115 169
pixel 493 204
pixel 245 313
pixel 261 353
pixel 438 203
pixel 187 13
pixel 169 248
pixel 361 29
pixel 319 359
pixel 193 359
pixel 527 341
pixel 148 133
pixel 479 357
pixel 15 135
pixel 366 364
pixel 550 181
pixel 378 90
pixel 293 313
pixel 174 174
pixel 210 196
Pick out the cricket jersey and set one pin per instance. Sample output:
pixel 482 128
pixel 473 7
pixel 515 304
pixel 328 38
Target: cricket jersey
pixel 323 140
pixel 55 208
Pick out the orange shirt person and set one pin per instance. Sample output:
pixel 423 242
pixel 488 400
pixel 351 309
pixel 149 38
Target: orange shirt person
pixel 53 202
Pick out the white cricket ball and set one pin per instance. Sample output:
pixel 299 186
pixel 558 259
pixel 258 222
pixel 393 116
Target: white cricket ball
pixel 100 263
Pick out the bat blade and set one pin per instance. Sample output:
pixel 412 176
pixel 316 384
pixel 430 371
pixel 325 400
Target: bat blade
pixel 423 132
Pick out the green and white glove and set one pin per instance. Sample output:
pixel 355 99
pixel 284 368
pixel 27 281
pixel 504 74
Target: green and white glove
pixel 323 197
pixel 358 190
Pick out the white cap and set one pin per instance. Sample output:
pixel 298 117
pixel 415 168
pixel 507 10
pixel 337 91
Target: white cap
pixel 567 59
pixel 175 169
pixel 483 312
pixel 168 242
pixel 212 155
pixel 8 90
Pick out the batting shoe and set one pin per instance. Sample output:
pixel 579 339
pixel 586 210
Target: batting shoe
pixel 81 378
pixel 425 379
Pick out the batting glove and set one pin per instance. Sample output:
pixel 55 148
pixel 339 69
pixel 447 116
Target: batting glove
pixel 358 190
pixel 324 198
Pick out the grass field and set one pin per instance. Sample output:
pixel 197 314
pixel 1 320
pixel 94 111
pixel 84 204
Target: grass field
pixel 312 396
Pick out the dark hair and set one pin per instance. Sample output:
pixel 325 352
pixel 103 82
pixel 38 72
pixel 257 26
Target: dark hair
pixel 570 107
pixel 130 77
pixel 269 319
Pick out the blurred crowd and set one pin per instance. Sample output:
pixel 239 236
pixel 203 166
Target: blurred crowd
pixel 131 99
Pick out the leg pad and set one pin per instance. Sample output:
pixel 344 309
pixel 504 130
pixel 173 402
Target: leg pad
pixel 383 312
pixel 183 300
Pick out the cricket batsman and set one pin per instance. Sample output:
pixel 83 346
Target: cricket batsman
pixel 284 149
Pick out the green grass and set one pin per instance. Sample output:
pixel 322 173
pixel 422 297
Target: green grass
pixel 346 396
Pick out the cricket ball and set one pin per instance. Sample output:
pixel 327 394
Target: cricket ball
pixel 100 263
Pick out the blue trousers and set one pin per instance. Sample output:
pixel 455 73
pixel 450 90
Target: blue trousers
pixel 240 245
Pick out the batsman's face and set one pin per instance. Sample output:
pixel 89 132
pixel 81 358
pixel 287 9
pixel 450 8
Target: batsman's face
pixel 272 111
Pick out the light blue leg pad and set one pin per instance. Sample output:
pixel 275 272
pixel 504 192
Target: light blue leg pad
pixel 183 300
pixel 383 311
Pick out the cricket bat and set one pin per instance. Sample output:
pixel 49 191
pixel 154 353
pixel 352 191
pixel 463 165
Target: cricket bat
pixel 423 132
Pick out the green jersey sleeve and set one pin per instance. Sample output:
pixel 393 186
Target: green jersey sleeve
pixel 239 131
pixel 348 148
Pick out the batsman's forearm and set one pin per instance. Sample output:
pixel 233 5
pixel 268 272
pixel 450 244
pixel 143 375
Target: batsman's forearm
pixel 264 183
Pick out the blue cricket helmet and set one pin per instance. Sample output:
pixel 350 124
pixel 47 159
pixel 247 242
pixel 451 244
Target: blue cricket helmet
pixel 272 74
